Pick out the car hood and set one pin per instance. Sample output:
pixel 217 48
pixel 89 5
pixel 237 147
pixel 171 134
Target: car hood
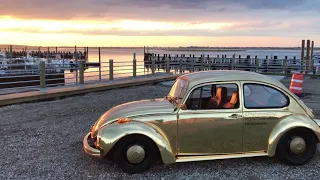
pixel 133 109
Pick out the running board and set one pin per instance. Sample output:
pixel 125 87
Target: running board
pixel 216 157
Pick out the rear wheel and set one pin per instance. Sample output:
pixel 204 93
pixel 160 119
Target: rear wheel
pixel 297 146
pixel 136 154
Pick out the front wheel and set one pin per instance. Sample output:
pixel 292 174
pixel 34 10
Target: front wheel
pixel 136 154
pixel 297 147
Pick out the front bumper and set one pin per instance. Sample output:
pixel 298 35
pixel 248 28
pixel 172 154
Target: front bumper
pixel 89 148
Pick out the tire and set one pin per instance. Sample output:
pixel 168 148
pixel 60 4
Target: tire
pixel 286 155
pixel 151 153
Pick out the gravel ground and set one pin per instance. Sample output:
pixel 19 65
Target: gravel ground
pixel 44 141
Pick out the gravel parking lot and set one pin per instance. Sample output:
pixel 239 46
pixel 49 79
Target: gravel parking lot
pixel 44 141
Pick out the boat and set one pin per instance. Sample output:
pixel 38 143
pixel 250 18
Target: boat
pixel 25 71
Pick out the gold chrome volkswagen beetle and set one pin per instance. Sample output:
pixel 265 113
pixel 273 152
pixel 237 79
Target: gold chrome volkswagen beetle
pixel 208 115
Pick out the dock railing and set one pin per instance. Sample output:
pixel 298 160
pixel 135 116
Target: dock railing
pixel 44 75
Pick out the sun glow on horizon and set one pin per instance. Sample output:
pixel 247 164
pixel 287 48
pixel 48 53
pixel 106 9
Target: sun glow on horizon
pixel 53 26
pixel 126 33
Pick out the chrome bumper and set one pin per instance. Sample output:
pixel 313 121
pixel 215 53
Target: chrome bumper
pixel 91 151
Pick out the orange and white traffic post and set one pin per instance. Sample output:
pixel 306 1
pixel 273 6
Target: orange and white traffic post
pixel 296 83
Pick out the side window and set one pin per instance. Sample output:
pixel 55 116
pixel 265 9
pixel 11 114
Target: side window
pixel 257 96
pixel 196 97
pixel 216 96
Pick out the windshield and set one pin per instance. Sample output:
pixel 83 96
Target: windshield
pixel 178 89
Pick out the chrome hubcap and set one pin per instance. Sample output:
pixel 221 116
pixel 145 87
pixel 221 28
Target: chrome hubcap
pixel 297 146
pixel 135 154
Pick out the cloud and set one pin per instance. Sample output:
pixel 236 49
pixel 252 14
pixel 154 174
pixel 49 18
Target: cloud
pixel 274 28
pixel 246 17
pixel 148 9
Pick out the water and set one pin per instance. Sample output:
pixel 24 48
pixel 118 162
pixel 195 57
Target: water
pixel 123 57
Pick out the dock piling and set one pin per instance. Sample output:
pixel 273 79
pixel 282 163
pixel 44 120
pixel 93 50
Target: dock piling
pixel 302 55
pixel 311 58
pixel 307 60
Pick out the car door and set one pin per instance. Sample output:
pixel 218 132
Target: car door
pixel 264 106
pixel 210 131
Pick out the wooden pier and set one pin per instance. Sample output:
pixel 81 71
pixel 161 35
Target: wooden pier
pixel 191 63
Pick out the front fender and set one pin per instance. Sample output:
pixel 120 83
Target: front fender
pixel 287 124
pixel 109 135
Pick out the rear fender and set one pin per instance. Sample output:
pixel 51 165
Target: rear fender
pixel 286 125
pixel 109 135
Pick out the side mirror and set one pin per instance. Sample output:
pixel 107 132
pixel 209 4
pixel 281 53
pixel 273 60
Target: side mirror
pixel 183 106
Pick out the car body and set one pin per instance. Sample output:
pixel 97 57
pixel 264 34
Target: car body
pixel 208 115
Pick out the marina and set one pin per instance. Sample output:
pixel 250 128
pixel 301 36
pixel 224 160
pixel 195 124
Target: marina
pixel 35 69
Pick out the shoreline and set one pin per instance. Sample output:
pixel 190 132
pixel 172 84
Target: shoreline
pixel 207 50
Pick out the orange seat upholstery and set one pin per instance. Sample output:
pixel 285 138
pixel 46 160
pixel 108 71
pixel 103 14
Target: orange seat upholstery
pixel 219 99
pixel 233 101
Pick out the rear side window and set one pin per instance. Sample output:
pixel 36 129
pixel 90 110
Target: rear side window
pixel 257 96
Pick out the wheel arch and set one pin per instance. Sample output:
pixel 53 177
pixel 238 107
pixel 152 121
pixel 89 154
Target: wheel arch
pixel 111 135
pixel 288 124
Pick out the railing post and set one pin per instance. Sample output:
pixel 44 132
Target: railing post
pixel 180 65
pixel 81 71
pixel 283 66
pixel 26 57
pixel 167 65
pixel 153 67
pixel 48 56
pixel 257 63
pixel 99 63
pixel 233 61
pixel 202 61
pixel 192 63
pixel 134 66
pixel 111 69
pixel 11 53
pixel 42 74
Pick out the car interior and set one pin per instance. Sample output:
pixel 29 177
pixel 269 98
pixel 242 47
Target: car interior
pixel 214 97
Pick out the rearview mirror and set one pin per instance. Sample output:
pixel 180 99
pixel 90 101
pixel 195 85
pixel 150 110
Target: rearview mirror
pixel 183 107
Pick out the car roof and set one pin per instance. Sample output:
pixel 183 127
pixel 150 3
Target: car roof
pixel 228 75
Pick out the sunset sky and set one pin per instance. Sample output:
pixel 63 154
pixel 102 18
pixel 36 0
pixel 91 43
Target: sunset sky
pixel 159 22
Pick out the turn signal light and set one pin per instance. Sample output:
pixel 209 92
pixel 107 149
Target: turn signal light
pixel 123 120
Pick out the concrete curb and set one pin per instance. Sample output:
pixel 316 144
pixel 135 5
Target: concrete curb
pixel 77 90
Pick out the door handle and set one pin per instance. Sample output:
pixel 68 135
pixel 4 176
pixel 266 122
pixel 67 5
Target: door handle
pixel 235 116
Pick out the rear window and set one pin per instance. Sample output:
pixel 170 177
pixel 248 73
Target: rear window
pixel 262 96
